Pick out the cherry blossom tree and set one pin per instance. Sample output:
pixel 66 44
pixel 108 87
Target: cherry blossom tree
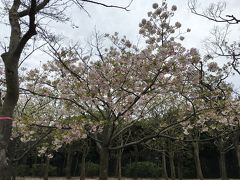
pixel 204 94
pixel 42 125
pixel 115 88
pixel 23 22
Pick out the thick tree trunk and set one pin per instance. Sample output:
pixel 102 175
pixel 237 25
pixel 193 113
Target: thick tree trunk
pixel 172 164
pixel 164 166
pixel 197 160
pixel 46 167
pixel 12 154
pixel 5 132
pixel 14 174
pixel 222 163
pixel 69 164
pixel 11 59
pixel 104 158
pixel 6 125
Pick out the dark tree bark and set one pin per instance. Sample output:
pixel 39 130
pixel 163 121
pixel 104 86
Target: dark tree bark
pixel 164 165
pixel 13 171
pixel 119 164
pixel 172 165
pixel 11 61
pixel 46 167
pixel 103 148
pixel 69 163
pixel 237 148
pixel 197 160
pixel 222 163
pixel 180 166
pixel 83 163
pixel 12 154
pixel 221 145
pixel 83 168
pixel 104 158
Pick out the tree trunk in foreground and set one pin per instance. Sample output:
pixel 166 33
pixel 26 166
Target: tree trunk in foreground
pixel 103 169
pixel 6 114
pixel 164 165
pixel 197 160
pixel 13 172
pixel 5 132
pixel 10 59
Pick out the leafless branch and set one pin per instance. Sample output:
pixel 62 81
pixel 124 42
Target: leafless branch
pixel 109 6
pixel 213 12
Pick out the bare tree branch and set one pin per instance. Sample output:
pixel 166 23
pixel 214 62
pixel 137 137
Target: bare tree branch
pixel 38 8
pixel 109 6
pixel 214 12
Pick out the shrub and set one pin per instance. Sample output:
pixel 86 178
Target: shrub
pixel 38 170
pixel 22 170
pixel 52 170
pixel 92 169
pixel 142 169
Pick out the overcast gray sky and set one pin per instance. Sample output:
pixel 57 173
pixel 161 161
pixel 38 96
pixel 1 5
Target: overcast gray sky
pixel 109 20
